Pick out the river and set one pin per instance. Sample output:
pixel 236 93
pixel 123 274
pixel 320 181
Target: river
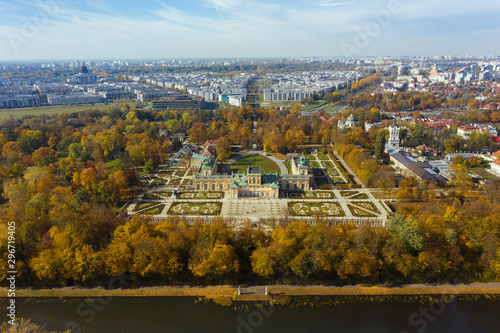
pixel 169 314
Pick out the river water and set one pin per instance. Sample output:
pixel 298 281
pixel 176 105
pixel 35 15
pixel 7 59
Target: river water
pixel 170 314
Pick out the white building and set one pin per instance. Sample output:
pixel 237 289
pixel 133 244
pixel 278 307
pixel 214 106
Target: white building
pixel 73 98
pixel 349 123
pixel 465 130
pixel 495 167
pixel 393 136
pixel 84 77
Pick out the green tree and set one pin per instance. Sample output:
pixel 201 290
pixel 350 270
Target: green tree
pixel 380 144
pixel 173 125
pixel 149 167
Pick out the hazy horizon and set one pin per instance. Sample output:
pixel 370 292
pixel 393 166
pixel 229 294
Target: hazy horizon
pixel 109 29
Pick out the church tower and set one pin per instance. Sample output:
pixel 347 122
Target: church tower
pixel 393 136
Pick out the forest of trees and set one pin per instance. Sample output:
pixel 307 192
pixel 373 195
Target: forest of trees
pixel 64 177
pixel 435 241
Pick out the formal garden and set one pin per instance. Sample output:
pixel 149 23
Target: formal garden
pixel 315 209
pixel 354 195
pixel 312 195
pixel 200 195
pixel 363 209
pixel 208 208
pixel 149 208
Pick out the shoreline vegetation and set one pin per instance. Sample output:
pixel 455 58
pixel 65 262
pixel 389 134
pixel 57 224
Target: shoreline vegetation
pixel 475 289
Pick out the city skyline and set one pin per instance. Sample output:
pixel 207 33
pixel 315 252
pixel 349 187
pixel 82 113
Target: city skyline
pixel 61 29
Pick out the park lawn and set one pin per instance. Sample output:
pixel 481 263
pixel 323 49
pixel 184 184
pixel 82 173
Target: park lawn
pixel 285 104
pixel 51 110
pixel 314 106
pixel 314 164
pixel 264 162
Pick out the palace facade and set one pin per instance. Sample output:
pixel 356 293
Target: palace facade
pixel 254 183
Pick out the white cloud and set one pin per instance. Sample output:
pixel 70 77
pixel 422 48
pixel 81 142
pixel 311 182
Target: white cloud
pixel 224 4
pixel 337 4
pixel 247 28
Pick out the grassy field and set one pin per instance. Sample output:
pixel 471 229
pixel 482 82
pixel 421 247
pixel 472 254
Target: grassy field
pixel 314 106
pixel 265 163
pixel 277 103
pixel 51 110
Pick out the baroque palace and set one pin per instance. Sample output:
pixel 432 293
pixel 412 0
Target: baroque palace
pixel 254 183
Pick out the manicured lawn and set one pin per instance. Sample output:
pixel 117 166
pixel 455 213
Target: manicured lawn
pixel 208 208
pixel 360 196
pixel 154 210
pixel 314 164
pixel 315 209
pixel 319 195
pixel 327 164
pixel 200 195
pixel 265 163
pixel 164 194
pixel 360 213
pixel 332 172
pixel 144 205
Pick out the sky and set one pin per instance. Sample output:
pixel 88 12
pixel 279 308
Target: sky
pixel 164 29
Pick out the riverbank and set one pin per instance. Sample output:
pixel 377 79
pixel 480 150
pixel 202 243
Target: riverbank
pixel 258 293
pixel 132 292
